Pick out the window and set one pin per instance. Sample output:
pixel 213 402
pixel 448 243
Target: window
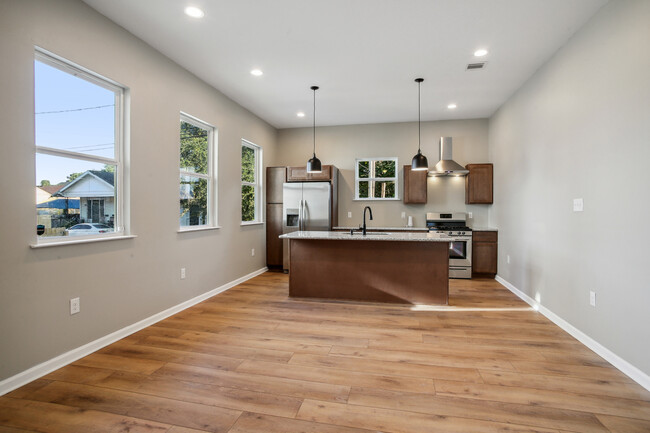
pixel 376 179
pixel 78 125
pixel 251 161
pixel 197 181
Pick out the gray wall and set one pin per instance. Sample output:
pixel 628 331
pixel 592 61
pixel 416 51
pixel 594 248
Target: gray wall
pixel 580 128
pixel 119 282
pixel 340 145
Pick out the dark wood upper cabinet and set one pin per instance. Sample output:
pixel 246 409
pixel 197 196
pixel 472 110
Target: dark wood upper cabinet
pixel 299 174
pixel 478 184
pixel 415 186
pixel 275 177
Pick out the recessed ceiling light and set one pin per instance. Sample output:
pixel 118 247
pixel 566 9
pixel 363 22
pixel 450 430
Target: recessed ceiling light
pixel 451 106
pixel 480 53
pixel 300 114
pixel 194 12
pixel 257 72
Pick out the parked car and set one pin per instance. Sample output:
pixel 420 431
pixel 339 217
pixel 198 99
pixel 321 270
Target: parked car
pixel 87 229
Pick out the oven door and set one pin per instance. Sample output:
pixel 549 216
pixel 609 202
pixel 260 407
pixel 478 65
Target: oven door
pixel 460 251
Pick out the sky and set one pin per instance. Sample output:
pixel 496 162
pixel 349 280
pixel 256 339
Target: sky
pixel 71 114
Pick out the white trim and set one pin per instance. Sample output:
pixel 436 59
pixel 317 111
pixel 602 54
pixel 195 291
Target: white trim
pixel 62 360
pixel 186 229
pixel 45 243
pixel 257 185
pixel 251 223
pixel 625 367
pixel 211 175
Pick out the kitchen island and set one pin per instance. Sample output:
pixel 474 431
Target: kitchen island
pixel 408 268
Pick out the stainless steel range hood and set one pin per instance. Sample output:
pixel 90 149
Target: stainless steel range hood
pixel 447 166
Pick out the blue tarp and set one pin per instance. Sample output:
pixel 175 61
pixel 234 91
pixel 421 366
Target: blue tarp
pixel 60 203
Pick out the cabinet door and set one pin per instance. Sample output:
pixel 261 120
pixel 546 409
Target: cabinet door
pixel 275 178
pixel 484 258
pixel 299 174
pixel 478 184
pixel 415 186
pixel 273 230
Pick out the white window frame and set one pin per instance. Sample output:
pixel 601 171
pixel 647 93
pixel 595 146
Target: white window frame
pixel 121 223
pixel 357 179
pixel 257 185
pixel 211 177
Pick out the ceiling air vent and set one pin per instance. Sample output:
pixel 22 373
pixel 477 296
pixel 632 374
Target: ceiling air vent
pixel 475 66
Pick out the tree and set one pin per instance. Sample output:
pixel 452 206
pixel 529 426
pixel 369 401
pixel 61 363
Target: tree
pixel 73 176
pixel 247 191
pixel 194 158
pixel 109 168
pixel 45 182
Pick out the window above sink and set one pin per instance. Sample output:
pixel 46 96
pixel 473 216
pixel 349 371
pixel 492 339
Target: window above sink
pixel 376 179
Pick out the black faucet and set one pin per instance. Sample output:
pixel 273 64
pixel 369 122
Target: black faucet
pixel 367 208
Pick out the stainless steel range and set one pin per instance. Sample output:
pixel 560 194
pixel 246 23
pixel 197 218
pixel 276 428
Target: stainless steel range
pixel 454 225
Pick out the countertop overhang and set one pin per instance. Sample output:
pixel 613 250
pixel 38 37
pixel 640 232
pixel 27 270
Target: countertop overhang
pixel 357 236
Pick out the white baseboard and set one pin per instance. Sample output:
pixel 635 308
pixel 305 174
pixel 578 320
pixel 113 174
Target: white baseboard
pixel 49 366
pixel 625 367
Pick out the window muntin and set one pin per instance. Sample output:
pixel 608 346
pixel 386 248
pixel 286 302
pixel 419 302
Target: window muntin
pixel 376 179
pixel 78 119
pixel 197 182
pixel 251 163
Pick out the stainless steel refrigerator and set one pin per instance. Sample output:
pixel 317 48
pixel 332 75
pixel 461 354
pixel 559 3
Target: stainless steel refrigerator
pixel 306 206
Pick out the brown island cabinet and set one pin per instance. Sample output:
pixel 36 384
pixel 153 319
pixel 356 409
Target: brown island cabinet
pixel 410 268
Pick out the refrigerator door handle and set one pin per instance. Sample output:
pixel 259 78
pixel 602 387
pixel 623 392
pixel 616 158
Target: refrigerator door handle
pixel 300 216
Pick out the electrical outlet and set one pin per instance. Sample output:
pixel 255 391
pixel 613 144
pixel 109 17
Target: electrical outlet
pixel 508 259
pixel 592 298
pixel 578 205
pixel 349 214
pixel 182 273
pixel 403 215
pixel 252 251
pixel 469 215
pixel 75 306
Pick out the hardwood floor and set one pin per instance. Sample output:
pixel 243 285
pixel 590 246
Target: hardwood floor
pixel 252 360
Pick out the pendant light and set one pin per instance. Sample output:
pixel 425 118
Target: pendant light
pixel 419 161
pixel 314 165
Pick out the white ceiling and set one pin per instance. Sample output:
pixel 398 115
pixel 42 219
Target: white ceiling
pixel 364 54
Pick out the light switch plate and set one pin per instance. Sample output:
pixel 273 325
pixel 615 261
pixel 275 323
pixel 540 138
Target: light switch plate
pixel 349 214
pixel 578 205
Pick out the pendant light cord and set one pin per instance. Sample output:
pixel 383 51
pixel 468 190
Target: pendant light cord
pixel 314 88
pixel 419 108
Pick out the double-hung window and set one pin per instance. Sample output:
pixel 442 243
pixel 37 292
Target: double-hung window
pixel 79 138
pixel 376 179
pixel 251 163
pixel 197 180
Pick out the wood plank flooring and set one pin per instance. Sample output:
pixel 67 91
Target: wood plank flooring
pixel 253 360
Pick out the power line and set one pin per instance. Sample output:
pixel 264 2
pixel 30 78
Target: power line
pixel 75 109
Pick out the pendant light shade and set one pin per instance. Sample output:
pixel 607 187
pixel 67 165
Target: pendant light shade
pixel 419 161
pixel 314 165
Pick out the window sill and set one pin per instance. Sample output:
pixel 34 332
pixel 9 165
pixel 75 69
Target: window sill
pixel 377 199
pixel 81 241
pixel 251 223
pixel 197 229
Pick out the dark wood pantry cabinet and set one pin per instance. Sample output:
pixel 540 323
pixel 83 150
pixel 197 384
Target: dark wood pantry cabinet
pixel 275 178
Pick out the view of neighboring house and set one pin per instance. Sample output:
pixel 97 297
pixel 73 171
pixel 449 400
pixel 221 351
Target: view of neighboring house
pixel 96 192
pixel 55 213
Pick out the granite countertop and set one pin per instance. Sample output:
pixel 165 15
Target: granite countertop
pixel 484 229
pixel 385 229
pixel 357 236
